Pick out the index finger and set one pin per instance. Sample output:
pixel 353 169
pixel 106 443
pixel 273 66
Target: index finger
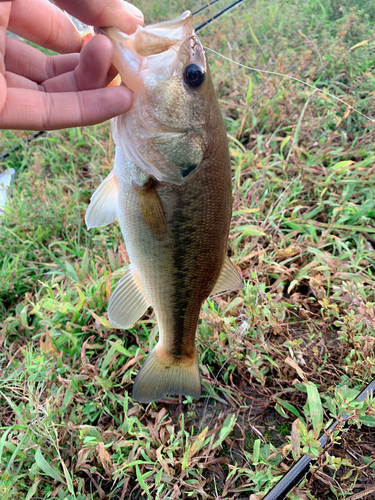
pixel 117 13
pixel 35 110
pixel 41 22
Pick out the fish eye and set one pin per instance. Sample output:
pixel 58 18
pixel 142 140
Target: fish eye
pixel 194 75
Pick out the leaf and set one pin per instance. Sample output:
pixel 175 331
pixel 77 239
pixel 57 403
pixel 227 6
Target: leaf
pixel 315 407
pixel 289 407
pixel 332 406
pixel 284 143
pixel 33 489
pixel 249 91
pixel 360 44
pixel 265 356
pixel 136 462
pixel 67 398
pixel 342 165
pixel 237 301
pixel 296 366
pixel 256 451
pixel 293 283
pixel 46 467
pixel 71 272
pixel 198 443
pixel 141 482
pixel 245 211
pixel 102 320
pixel 82 457
pixel 194 448
pixel 3 441
pixel 367 420
pixel 248 230
pixel 163 462
pixel 226 429
pixel 105 458
pixel 47 346
pixel 185 460
pixel 302 429
pixel 84 265
pixel 69 481
pixel 281 411
pixel 251 30
pixel 296 440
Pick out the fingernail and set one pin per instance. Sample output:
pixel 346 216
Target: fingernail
pixel 132 9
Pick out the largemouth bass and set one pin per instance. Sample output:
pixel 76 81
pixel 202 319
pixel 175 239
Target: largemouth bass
pixel 171 192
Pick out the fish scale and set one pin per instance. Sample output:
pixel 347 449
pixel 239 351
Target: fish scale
pixel 171 192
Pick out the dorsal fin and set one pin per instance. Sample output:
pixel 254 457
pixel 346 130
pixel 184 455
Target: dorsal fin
pixel 229 279
pixel 103 208
pixel 128 302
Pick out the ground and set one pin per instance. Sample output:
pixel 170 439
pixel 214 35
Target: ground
pixel 280 360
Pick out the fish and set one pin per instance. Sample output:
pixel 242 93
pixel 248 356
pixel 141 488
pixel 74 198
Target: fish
pixel 171 191
pixel 6 180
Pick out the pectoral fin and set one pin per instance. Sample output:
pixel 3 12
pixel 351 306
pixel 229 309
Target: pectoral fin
pixel 103 208
pixel 229 278
pixel 152 209
pixel 128 302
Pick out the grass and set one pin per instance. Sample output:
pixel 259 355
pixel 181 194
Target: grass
pixel 279 360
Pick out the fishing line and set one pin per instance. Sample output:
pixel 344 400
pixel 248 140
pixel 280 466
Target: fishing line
pixel 234 4
pixel 372 120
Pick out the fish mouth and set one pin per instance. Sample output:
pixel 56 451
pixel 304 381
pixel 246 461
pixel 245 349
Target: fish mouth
pixel 155 48
pixel 157 38
pixel 180 27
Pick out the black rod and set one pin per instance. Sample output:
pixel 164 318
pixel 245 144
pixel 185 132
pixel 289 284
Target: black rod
pixel 295 475
pixel 208 21
pixel 205 7
pixel 28 139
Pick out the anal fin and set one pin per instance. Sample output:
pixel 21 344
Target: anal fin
pixel 128 302
pixel 229 279
pixel 103 208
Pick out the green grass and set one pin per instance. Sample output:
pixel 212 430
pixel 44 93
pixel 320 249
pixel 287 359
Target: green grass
pixel 279 360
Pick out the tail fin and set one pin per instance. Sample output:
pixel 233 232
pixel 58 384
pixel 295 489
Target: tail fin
pixel 159 377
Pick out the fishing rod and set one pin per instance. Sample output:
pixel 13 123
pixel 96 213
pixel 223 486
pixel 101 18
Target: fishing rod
pixel 295 475
pixel 226 9
pixel 28 139
pixel 205 7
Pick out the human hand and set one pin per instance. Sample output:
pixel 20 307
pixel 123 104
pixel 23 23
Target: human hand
pixel 39 92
